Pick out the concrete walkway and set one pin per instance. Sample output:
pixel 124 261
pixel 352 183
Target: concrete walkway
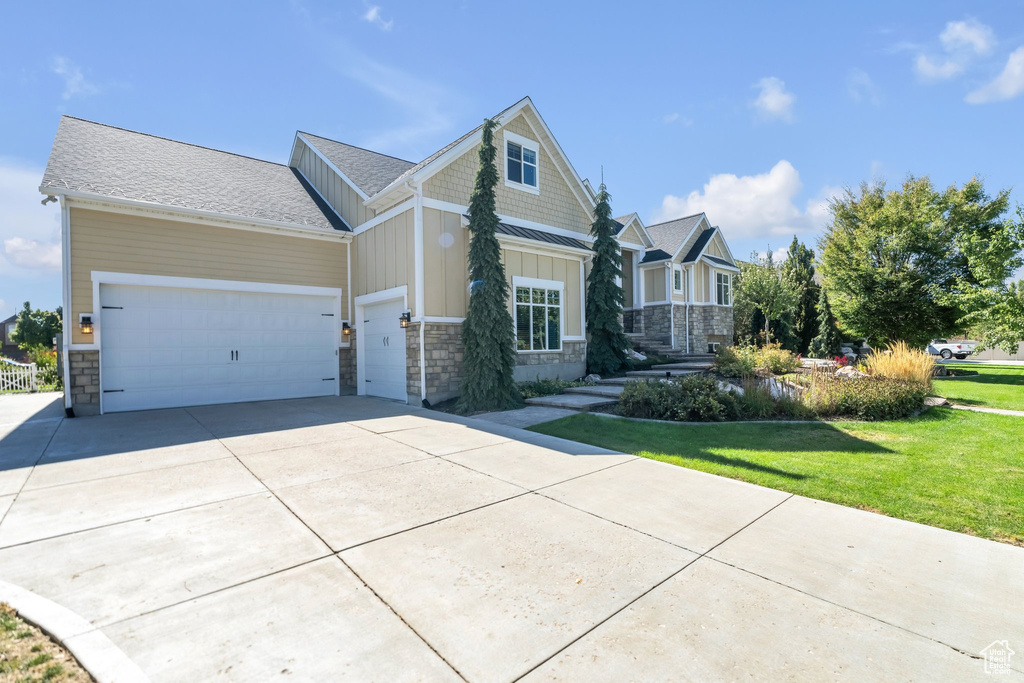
pixel 347 537
pixel 995 411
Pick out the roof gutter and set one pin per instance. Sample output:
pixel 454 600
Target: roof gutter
pixel 282 227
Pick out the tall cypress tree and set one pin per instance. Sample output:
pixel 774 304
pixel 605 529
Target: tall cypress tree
pixel 607 344
pixel 488 336
pixel 799 267
pixel 827 344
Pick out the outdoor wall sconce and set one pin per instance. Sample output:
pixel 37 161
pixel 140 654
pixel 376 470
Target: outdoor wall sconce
pixel 405 319
pixel 85 322
pixel 346 331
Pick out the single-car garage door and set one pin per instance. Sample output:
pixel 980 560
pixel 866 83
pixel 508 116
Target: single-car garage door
pixel 164 347
pixel 383 350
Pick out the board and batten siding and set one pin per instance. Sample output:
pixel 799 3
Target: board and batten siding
pixel 654 284
pixel 556 205
pixel 126 243
pixel 567 270
pixel 628 259
pixel 339 194
pixel 384 257
pixel 446 263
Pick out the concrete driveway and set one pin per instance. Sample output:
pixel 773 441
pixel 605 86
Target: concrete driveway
pixel 353 538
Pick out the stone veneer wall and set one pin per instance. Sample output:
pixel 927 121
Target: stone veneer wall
pixel 412 363
pixel 347 366
pixel 84 371
pixel 569 363
pixel 444 360
pixel 657 324
pixel 633 321
pixel 710 324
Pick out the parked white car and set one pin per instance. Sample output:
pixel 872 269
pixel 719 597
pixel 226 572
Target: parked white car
pixel 948 349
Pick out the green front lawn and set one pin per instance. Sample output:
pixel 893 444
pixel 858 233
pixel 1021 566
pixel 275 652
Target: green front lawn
pixel 948 468
pixel 996 386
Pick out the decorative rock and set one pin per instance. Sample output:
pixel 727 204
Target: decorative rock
pixel 850 372
pixel 592 377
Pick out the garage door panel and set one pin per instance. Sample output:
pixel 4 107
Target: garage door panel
pixel 169 347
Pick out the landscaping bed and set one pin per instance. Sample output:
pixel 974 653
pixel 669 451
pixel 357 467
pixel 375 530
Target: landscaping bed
pixel 29 655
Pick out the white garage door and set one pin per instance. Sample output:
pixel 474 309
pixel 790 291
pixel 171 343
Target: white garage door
pixel 163 347
pixel 383 350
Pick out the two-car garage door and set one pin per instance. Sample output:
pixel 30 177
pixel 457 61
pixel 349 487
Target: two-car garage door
pixel 164 347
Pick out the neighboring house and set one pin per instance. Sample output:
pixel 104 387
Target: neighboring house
pixel 9 349
pixel 199 276
pixel 677 281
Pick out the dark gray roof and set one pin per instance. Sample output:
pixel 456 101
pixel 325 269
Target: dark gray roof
pixel 621 222
pixel 698 246
pixel 122 164
pixel 408 172
pixel 671 235
pixel 656 255
pixel 720 261
pixel 540 236
pixel 370 171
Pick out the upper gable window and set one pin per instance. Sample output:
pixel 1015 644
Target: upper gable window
pixel 521 168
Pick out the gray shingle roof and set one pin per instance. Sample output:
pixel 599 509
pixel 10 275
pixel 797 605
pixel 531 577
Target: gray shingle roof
pixel 370 171
pixel 720 261
pixel 702 239
pixel 122 164
pixel 671 235
pixel 540 236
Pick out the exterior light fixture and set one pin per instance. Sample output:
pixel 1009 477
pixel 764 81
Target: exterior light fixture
pixel 405 319
pixel 85 322
pixel 346 331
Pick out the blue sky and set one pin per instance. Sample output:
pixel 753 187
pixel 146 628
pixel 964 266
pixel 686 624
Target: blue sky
pixel 753 114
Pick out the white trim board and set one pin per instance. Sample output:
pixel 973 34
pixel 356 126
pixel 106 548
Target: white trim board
pixel 313 148
pixel 175 213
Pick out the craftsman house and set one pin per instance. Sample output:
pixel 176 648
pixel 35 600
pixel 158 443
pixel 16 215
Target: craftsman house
pixel 195 276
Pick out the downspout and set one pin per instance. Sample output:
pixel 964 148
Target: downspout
pixel 670 290
pixel 417 217
pixel 65 265
pixel 689 293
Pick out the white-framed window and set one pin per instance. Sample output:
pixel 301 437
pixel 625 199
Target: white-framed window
pixel 723 288
pixel 522 167
pixel 677 279
pixel 538 314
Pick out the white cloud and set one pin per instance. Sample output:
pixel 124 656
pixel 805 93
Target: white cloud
pixel 1006 86
pixel 861 88
pixel 962 41
pixel 971 35
pixel 75 83
pixel 675 117
pixel 33 254
pixel 932 70
pixel 30 233
pixel 373 16
pixel 753 206
pixel 774 101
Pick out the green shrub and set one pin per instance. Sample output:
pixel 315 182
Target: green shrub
pixel 692 398
pixel 863 398
pixel 547 387
pixel 744 361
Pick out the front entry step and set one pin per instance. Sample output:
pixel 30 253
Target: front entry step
pixel 655 374
pixel 581 402
pixel 607 390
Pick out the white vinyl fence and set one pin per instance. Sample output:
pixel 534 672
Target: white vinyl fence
pixel 18 377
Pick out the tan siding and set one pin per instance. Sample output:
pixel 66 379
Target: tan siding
pixel 445 261
pixel 339 194
pixel 383 257
pixel 654 284
pixel 123 243
pixel 556 205
pixel 631 236
pixel 628 258
pixel 525 264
